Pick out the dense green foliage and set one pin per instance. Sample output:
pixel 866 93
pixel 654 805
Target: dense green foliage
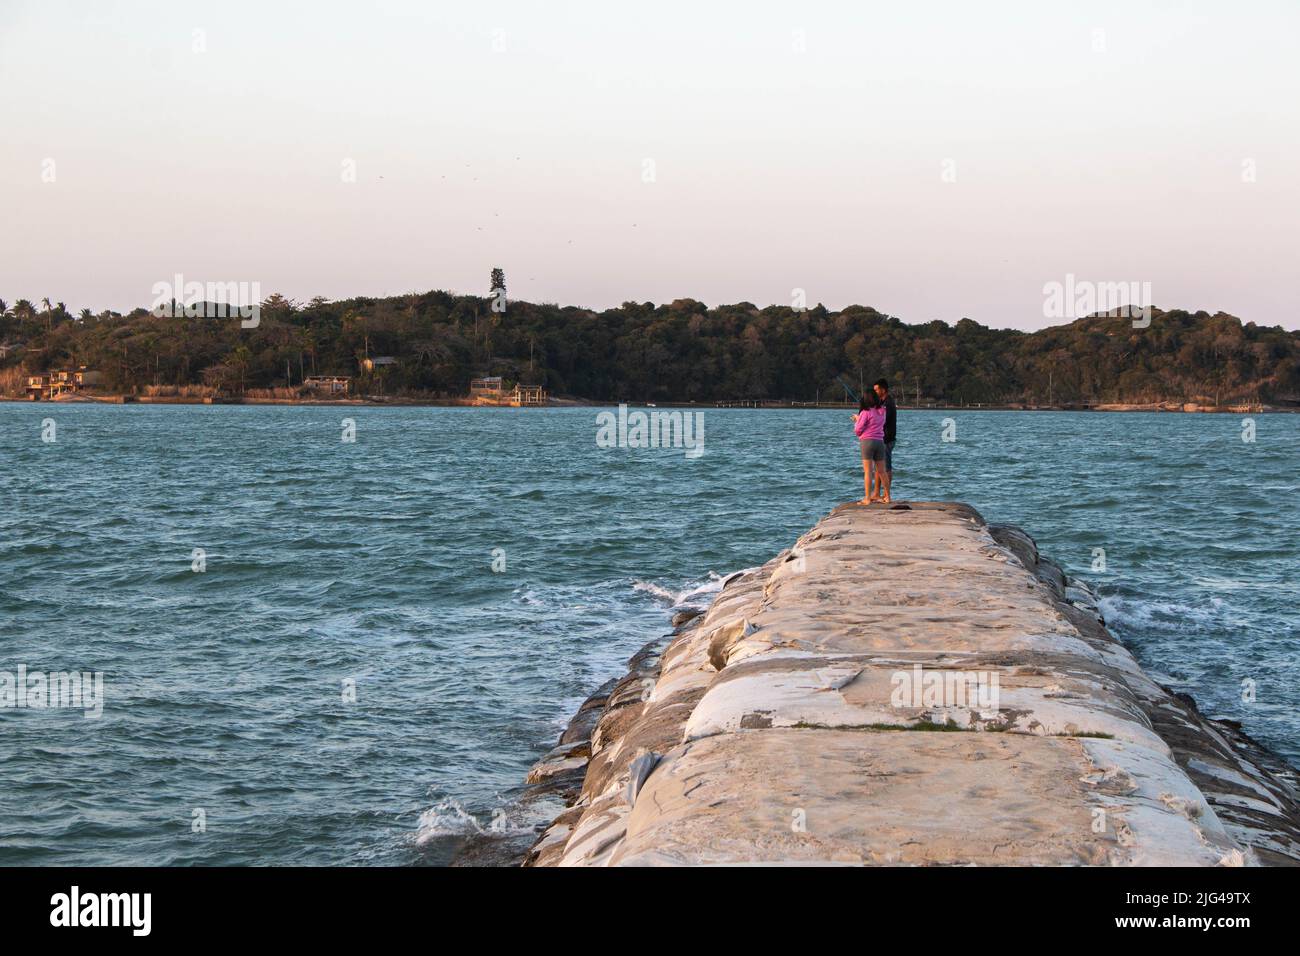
pixel 682 351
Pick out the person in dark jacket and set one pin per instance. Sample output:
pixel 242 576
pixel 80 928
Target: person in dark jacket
pixel 881 388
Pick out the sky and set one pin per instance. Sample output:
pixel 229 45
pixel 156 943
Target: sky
pixel 935 160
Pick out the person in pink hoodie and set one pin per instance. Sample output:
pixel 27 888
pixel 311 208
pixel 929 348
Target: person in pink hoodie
pixel 869 426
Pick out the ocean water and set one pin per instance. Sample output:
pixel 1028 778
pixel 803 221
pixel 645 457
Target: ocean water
pixel 473 573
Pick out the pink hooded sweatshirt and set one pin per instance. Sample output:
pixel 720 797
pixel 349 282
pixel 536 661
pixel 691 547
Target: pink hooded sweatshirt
pixel 870 424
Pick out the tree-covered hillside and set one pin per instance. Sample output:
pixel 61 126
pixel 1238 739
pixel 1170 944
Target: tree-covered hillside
pixel 682 351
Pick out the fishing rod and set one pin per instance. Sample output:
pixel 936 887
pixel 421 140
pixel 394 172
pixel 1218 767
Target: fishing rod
pixel 848 388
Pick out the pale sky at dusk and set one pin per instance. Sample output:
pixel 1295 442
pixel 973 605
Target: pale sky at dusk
pixel 794 145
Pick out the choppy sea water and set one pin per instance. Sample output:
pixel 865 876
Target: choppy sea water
pixel 370 565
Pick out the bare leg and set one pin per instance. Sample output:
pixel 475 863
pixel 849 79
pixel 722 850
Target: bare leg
pixel 887 477
pixel 866 481
pixel 889 471
pixel 873 484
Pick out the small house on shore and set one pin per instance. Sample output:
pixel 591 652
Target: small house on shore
pixel 369 363
pixel 50 385
pixel 329 384
pixel 492 391
pixel 525 396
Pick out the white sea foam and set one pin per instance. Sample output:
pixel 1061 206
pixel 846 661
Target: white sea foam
pixel 445 818
pixel 695 596
pixel 1136 613
pixel 649 587
pixel 448 817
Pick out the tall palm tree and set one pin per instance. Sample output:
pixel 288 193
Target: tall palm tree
pixel 49 313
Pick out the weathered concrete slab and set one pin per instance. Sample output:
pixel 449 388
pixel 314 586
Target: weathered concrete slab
pixel 890 798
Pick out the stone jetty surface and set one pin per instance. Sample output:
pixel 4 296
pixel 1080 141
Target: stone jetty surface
pixel 906 685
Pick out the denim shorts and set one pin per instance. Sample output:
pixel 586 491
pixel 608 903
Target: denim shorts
pixel 873 449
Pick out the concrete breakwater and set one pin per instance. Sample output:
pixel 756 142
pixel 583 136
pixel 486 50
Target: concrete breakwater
pixel 906 685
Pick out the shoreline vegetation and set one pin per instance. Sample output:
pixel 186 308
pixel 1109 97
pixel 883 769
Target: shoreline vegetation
pixel 427 348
